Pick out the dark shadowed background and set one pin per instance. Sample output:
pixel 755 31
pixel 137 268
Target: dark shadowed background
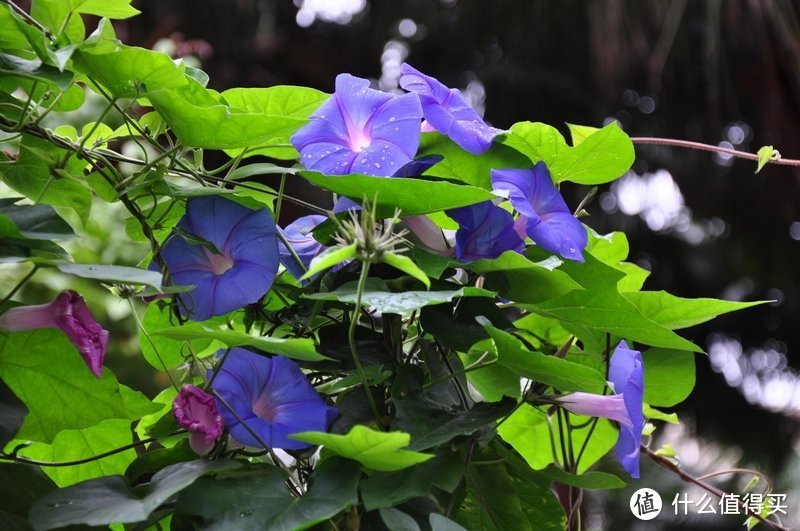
pixel 721 72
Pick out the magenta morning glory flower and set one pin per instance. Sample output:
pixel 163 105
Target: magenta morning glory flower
pixel 485 231
pixel 68 313
pixel 447 111
pixel 548 221
pixel 238 266
pixel 360 130
pixel 626 373
pixel 272 396
pixel 298 236
pixel 196 411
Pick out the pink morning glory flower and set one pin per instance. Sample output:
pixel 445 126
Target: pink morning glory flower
pixel 360 130
pixel 548 221
pixel 626 373
pixel 235 267
pixel 272 397
pixel 447 111
pixel 196 411
pixel 68 313
pixel 484 231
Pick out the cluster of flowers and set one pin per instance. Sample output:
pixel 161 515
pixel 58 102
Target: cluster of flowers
pixel 231 254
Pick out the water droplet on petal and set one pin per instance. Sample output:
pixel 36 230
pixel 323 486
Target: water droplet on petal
pixel 378 165
pixel 60 504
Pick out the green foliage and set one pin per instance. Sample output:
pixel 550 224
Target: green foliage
pixel 43 368
pixel 598 158
pixel 258 502
pixel 375 450
pixel 434 386
pixel 110 499
pixel 378 295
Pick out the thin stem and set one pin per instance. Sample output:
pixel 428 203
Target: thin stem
pixel 144 332
pixel 672 467
pixel 19 285
pixel 351 338
pixel 688 144
pixel 280 197
pixel 19 459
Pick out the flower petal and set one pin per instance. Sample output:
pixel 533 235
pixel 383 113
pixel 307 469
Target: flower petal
pixel 298 235
pixel 549 222
pixel 485 231
pixel 447 111
pixel 272 396
pixel 360 130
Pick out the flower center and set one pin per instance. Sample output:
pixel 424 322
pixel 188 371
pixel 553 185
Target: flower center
pixel 359 140
pixel 219 263
pixel 263 409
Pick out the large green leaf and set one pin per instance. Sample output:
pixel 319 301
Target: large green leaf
pixel 46 372
pixel 393 488
pixel 130 72
pixel 520 279
pixel 501 496
pixel 599 158
pixel 108 499
pixel 411 196
pixel 404 303
pixel 39 174
pixel 592 479
pixel 113 273
pixel 73 445
pixel 376 450
pixel 117 9
pixel 38 222
pixel 282 100
pixel 556 372
pixel 529 432
pixel 261 502
pixel 608 311
pixel 297 348
pixel 201 122
pixel 675 312
pixel 461 165
pixel 11 65
pixel 669 376
pixel 430 424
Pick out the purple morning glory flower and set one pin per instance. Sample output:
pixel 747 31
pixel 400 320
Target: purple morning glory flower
pixel 68 313
pixel 626 373
pixel 485 231
pixel 360 130
pixel 196 411
pixel 240 267
pixel 298 236
pixel 272 396
pixel 548 221
pixel 447 111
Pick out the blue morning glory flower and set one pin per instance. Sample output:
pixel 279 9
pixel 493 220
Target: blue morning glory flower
pixel 447 111
pixel 272 397
pixel 548 221
pixel 298 236
pixel 360 130
pixel 626 373
pixel 233 268
pixel 485 231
